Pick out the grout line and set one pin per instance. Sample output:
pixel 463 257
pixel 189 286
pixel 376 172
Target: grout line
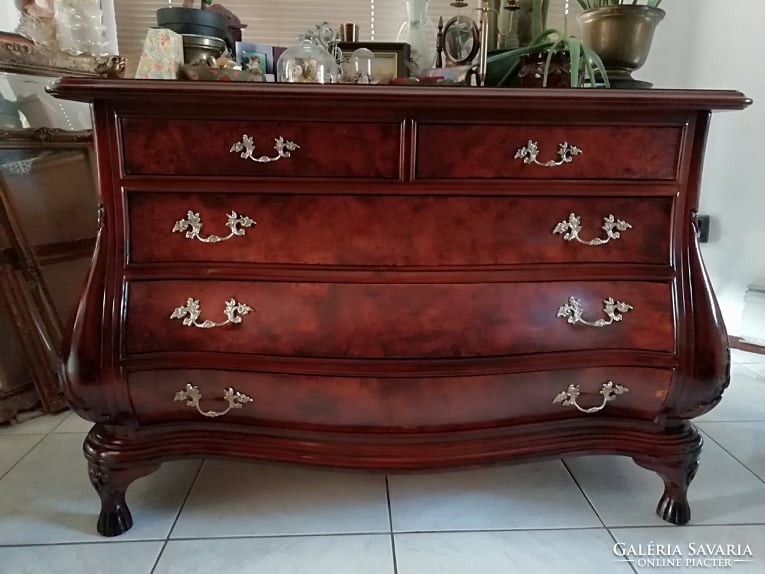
pixel 586 497
pixel 390 525
pixel 613 537
pixel 733 456
pixel 68 414
pixel 335 535
pixel 116 540
pixel 706 422
pixel 672 526
pixel 159 557
pixel 23 456
pixel 177 516
pixel 185 499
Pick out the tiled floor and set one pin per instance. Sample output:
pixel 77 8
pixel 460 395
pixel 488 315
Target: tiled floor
pixel 240 518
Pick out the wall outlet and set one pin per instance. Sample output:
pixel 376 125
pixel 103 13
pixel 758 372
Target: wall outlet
pixel 703 228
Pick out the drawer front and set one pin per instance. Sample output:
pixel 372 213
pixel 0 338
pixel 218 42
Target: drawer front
pixel 395 230
pixel 292 400
pixel 491 152
pixel 326 150
pixel 394 320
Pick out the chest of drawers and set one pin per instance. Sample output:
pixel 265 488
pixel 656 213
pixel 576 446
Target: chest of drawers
pixel 394 279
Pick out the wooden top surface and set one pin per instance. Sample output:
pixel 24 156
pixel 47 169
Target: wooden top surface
pixel 192 93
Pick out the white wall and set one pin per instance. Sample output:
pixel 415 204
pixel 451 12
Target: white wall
pixel 708 44
pixel 717 45
pixel 9 15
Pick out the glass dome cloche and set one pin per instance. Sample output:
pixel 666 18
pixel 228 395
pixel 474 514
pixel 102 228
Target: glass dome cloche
pixel 307 62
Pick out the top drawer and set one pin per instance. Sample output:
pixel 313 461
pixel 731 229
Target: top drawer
pixel 225 148
pixel 548 152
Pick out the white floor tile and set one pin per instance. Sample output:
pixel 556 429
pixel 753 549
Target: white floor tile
pixel 746 358
pixel 73 424
pixel 743 400
pixel 689 538
pixel 13 448
pixel 47 497
pixel 38 425
pixel 624 494
pixel 370 554
pixel 124 558
pixel 745 441
pixel 250 499
pixel 498 498
pixel 756 368
pixel 537 552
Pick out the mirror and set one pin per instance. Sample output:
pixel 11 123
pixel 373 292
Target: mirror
pixel 48 218
pixel 461 40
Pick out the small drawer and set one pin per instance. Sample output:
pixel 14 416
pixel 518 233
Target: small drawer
pixel 516 152
pixel 225 148
pixel 394 403
pixel 395 230
pixel 358 320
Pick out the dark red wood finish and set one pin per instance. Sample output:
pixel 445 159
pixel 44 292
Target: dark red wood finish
pixel 396 230
pixel 397 321
pixel 608 152
pixel 179 147
pixel 404 288
pixel 394 403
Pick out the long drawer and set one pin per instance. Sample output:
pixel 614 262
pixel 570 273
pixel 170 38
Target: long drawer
pixel 557 151
pixel 397 230
pixel 397 320
pixel 154 146
pixel 201 395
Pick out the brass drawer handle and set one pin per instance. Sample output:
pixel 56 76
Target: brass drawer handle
pixel 530 152
pixel 571 228
pixel 192 397
pixel 246 147
pixel 609 391
pixel 194 222
pixel 573 311
pixel 191 312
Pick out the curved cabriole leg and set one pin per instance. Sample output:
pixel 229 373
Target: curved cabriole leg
pixel 111 483
pixel 677 476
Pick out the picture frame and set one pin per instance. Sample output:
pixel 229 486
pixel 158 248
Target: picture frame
pixel 391 58
pixel 246 52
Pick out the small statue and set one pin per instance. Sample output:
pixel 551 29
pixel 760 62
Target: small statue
pixel 38 23
pixel 39 8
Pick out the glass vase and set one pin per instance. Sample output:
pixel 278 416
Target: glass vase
pixel 418 31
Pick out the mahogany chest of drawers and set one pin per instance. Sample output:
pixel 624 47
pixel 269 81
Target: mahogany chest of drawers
pixel 394 278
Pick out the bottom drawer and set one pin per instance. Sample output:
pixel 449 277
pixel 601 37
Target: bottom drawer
pixel 391 403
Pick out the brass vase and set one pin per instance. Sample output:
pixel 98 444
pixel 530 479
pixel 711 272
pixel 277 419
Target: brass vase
pixel 621 36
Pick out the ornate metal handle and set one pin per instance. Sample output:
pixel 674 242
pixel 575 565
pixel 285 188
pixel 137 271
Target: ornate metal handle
pixel 571 228
pixel 573 311
pixel 194 222
pixel 246 147
pixel 192 396
pixel 609 391
pixel 191 312
pixel 530 152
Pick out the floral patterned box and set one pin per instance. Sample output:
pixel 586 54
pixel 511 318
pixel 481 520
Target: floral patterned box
pixel 162 55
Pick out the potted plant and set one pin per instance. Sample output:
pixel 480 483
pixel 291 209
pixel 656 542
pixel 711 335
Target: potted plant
pixel 621 32
pixel 552 59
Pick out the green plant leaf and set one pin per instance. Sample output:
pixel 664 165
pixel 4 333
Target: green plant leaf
pixel 574 51
pixel 593 57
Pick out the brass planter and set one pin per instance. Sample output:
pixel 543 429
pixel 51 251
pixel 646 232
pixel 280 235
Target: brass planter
pixel 621 36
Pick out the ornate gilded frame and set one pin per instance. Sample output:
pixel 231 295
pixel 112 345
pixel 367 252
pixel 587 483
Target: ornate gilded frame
pixel 21 56
pixel 25 294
